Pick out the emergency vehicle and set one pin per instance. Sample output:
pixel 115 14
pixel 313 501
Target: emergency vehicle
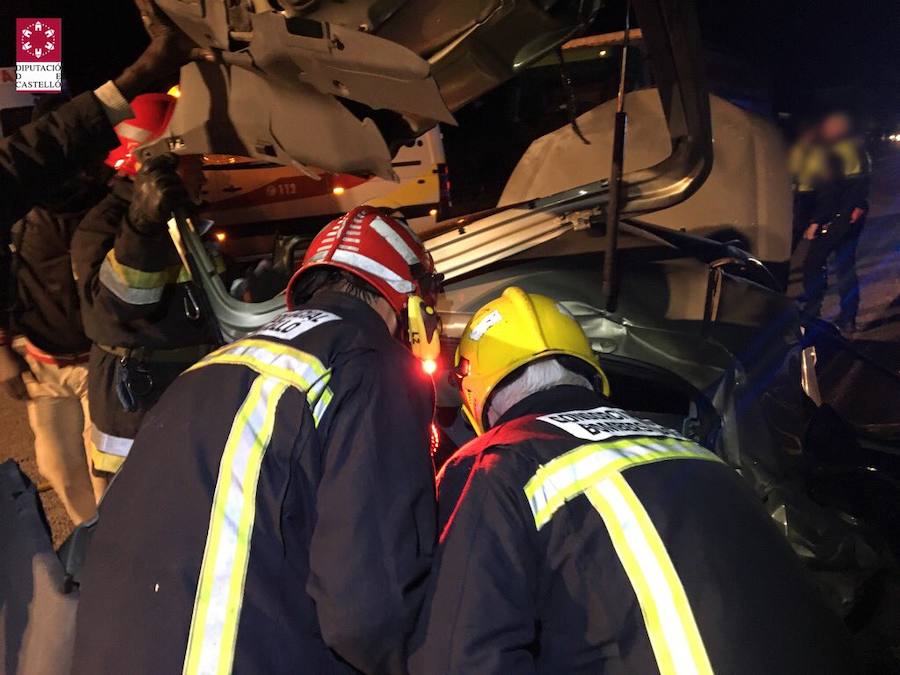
pixel 245 195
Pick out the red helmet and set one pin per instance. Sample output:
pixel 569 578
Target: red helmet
pixel 152 113
pixel 376 247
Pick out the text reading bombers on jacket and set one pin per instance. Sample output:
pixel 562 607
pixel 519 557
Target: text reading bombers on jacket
pixel 601 423
pixel 291 324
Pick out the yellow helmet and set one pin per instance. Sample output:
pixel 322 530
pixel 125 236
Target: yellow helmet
pixel 508 333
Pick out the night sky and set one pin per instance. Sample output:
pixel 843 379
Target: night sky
pixel 848 50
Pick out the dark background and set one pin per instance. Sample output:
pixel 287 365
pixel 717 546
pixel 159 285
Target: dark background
pixel 808 52
pixel 788 60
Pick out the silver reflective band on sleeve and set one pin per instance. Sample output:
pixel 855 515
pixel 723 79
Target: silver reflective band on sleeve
pixel 126 293
pixel 111 445
pixel 595 470
pixel 220 590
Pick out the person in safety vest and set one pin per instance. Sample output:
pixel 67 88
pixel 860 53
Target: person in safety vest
pixel 277 511
pixel 578 538
pixel 837 222
pixel 809 168
pixel 140 307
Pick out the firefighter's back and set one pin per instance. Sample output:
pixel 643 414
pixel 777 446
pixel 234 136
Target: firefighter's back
pixel 643 553
pixel 228 461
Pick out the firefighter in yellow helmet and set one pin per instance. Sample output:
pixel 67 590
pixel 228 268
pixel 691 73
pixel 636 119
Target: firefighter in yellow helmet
pixel 511 332
pixel 579 538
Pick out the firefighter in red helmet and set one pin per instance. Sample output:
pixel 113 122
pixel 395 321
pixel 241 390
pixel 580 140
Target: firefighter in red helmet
pixel 282 488
pixel 139 306
pixel 58 146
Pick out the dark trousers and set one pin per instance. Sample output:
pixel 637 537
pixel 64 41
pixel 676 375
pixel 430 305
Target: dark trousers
pixel 841 240
pixel 804 204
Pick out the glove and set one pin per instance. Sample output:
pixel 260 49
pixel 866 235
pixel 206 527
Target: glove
pixel 158 190
pixel 811 232
pixel 11 368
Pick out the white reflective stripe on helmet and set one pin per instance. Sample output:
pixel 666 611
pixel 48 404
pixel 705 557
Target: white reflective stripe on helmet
pixel 133 133
pixel 391 236
pixel 109 444
pixel 366 264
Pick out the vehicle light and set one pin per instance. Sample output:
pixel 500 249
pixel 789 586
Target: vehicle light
pixel 338 190
pixel 429 366
pixel 435 439
pixel 432 213
pixel 221 236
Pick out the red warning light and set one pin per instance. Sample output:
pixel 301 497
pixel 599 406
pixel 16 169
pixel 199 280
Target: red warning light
pixel 435 439
pixel 429 366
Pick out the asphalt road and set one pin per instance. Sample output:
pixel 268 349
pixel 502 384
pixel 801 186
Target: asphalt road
pixel 16 442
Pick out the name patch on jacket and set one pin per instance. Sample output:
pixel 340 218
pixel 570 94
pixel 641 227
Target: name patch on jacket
pixel 602 423
pixel 291 324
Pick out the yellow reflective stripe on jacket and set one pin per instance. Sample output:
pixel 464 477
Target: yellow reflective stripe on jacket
pixel 297 368
pixel 134 286
pixel 135 278
pixel 595 470
pixel 220 590
pixel 670 623
pixel 118 276
pixel 854 158
pixel 569 475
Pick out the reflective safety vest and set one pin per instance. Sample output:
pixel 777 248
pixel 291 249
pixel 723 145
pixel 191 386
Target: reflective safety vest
pixel 853 159
pixel 808 165
pixel 577 538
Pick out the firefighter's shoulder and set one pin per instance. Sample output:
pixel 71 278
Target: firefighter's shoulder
pixel 499 456
pixel 288 326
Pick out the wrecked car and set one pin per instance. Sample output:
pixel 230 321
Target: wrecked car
pixel 693 333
